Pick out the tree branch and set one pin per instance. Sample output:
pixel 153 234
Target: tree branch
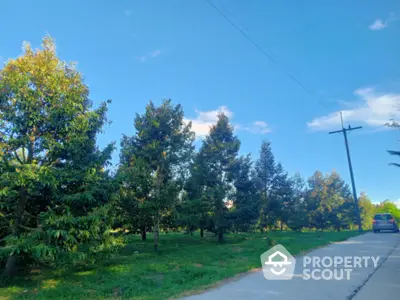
pixel 29 228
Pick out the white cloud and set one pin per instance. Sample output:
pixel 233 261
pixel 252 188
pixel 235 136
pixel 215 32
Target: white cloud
pixel 152 54
pixel 374 110
pixel 380 24
pixel 128 12
pixel 155 53
pixel 202 124
pixel 259 127
pixel 205 119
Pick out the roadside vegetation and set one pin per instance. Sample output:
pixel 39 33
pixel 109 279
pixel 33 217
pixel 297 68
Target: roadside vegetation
pixel 64 207
pixel 184 265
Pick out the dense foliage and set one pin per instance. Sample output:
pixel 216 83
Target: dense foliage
pixel 60 204
pixel 55 194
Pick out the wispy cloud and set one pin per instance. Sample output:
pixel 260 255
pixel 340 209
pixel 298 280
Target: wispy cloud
pixel 380 24
pixel 155 53
pixel 141 58
pixel 152 54
pixel 259 127
pixel 374 110
pixel 204 120
pixel 128 12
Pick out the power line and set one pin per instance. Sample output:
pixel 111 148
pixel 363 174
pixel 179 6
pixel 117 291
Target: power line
pixel 265 53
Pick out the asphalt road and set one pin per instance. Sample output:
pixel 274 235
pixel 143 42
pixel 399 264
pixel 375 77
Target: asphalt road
pixel 366 281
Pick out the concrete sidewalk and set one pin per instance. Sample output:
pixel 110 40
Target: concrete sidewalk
pixel 254 286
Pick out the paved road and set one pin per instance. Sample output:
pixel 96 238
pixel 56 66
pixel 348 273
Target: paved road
pixel 365 283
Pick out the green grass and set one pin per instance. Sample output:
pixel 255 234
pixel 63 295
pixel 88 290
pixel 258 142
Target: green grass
pixel 184 264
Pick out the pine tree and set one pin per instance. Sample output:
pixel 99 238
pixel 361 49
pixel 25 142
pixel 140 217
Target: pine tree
pixel 281 196
pixel 297 208
pixel 265 168
pixel 196 206
pixel 247 198
pixel 217 157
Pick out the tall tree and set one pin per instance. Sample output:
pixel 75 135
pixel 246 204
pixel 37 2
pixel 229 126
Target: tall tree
pixel 329 202
pixel 316 194
pixel 135 193
pixel 164 143
pixel 297 208
pixel 246 197
pixel 218 155
pixel 54 189
pixel 196 207
pixel 340 206
pixel 265 168
pixel 281 197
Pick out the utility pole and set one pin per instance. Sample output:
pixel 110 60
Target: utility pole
pixel 344 131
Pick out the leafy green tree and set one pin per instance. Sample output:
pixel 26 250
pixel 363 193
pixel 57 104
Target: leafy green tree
pixel 165 144
pixel 135 193
pixel 265 168
pixel 54 190
pixel 217 157
pixel 195 210
pixel 367 211
pixel 281 196
pixel 341 206
pixel 246 198
pixel 389 207
pixel 329 202
pixel 296 210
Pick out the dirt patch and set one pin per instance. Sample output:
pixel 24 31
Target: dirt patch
pixel 198 265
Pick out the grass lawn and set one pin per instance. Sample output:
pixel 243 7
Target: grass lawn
pixel 184 264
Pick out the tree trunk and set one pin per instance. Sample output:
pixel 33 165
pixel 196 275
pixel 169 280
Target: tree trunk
pixel 156 230
pixel 159 180
pixel 281 224
pixel 220 235
pixel 143 233
pixel 15 231
pixel 201 232
pixel 9 269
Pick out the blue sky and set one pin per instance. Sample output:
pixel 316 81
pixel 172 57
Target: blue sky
pixel 345 52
